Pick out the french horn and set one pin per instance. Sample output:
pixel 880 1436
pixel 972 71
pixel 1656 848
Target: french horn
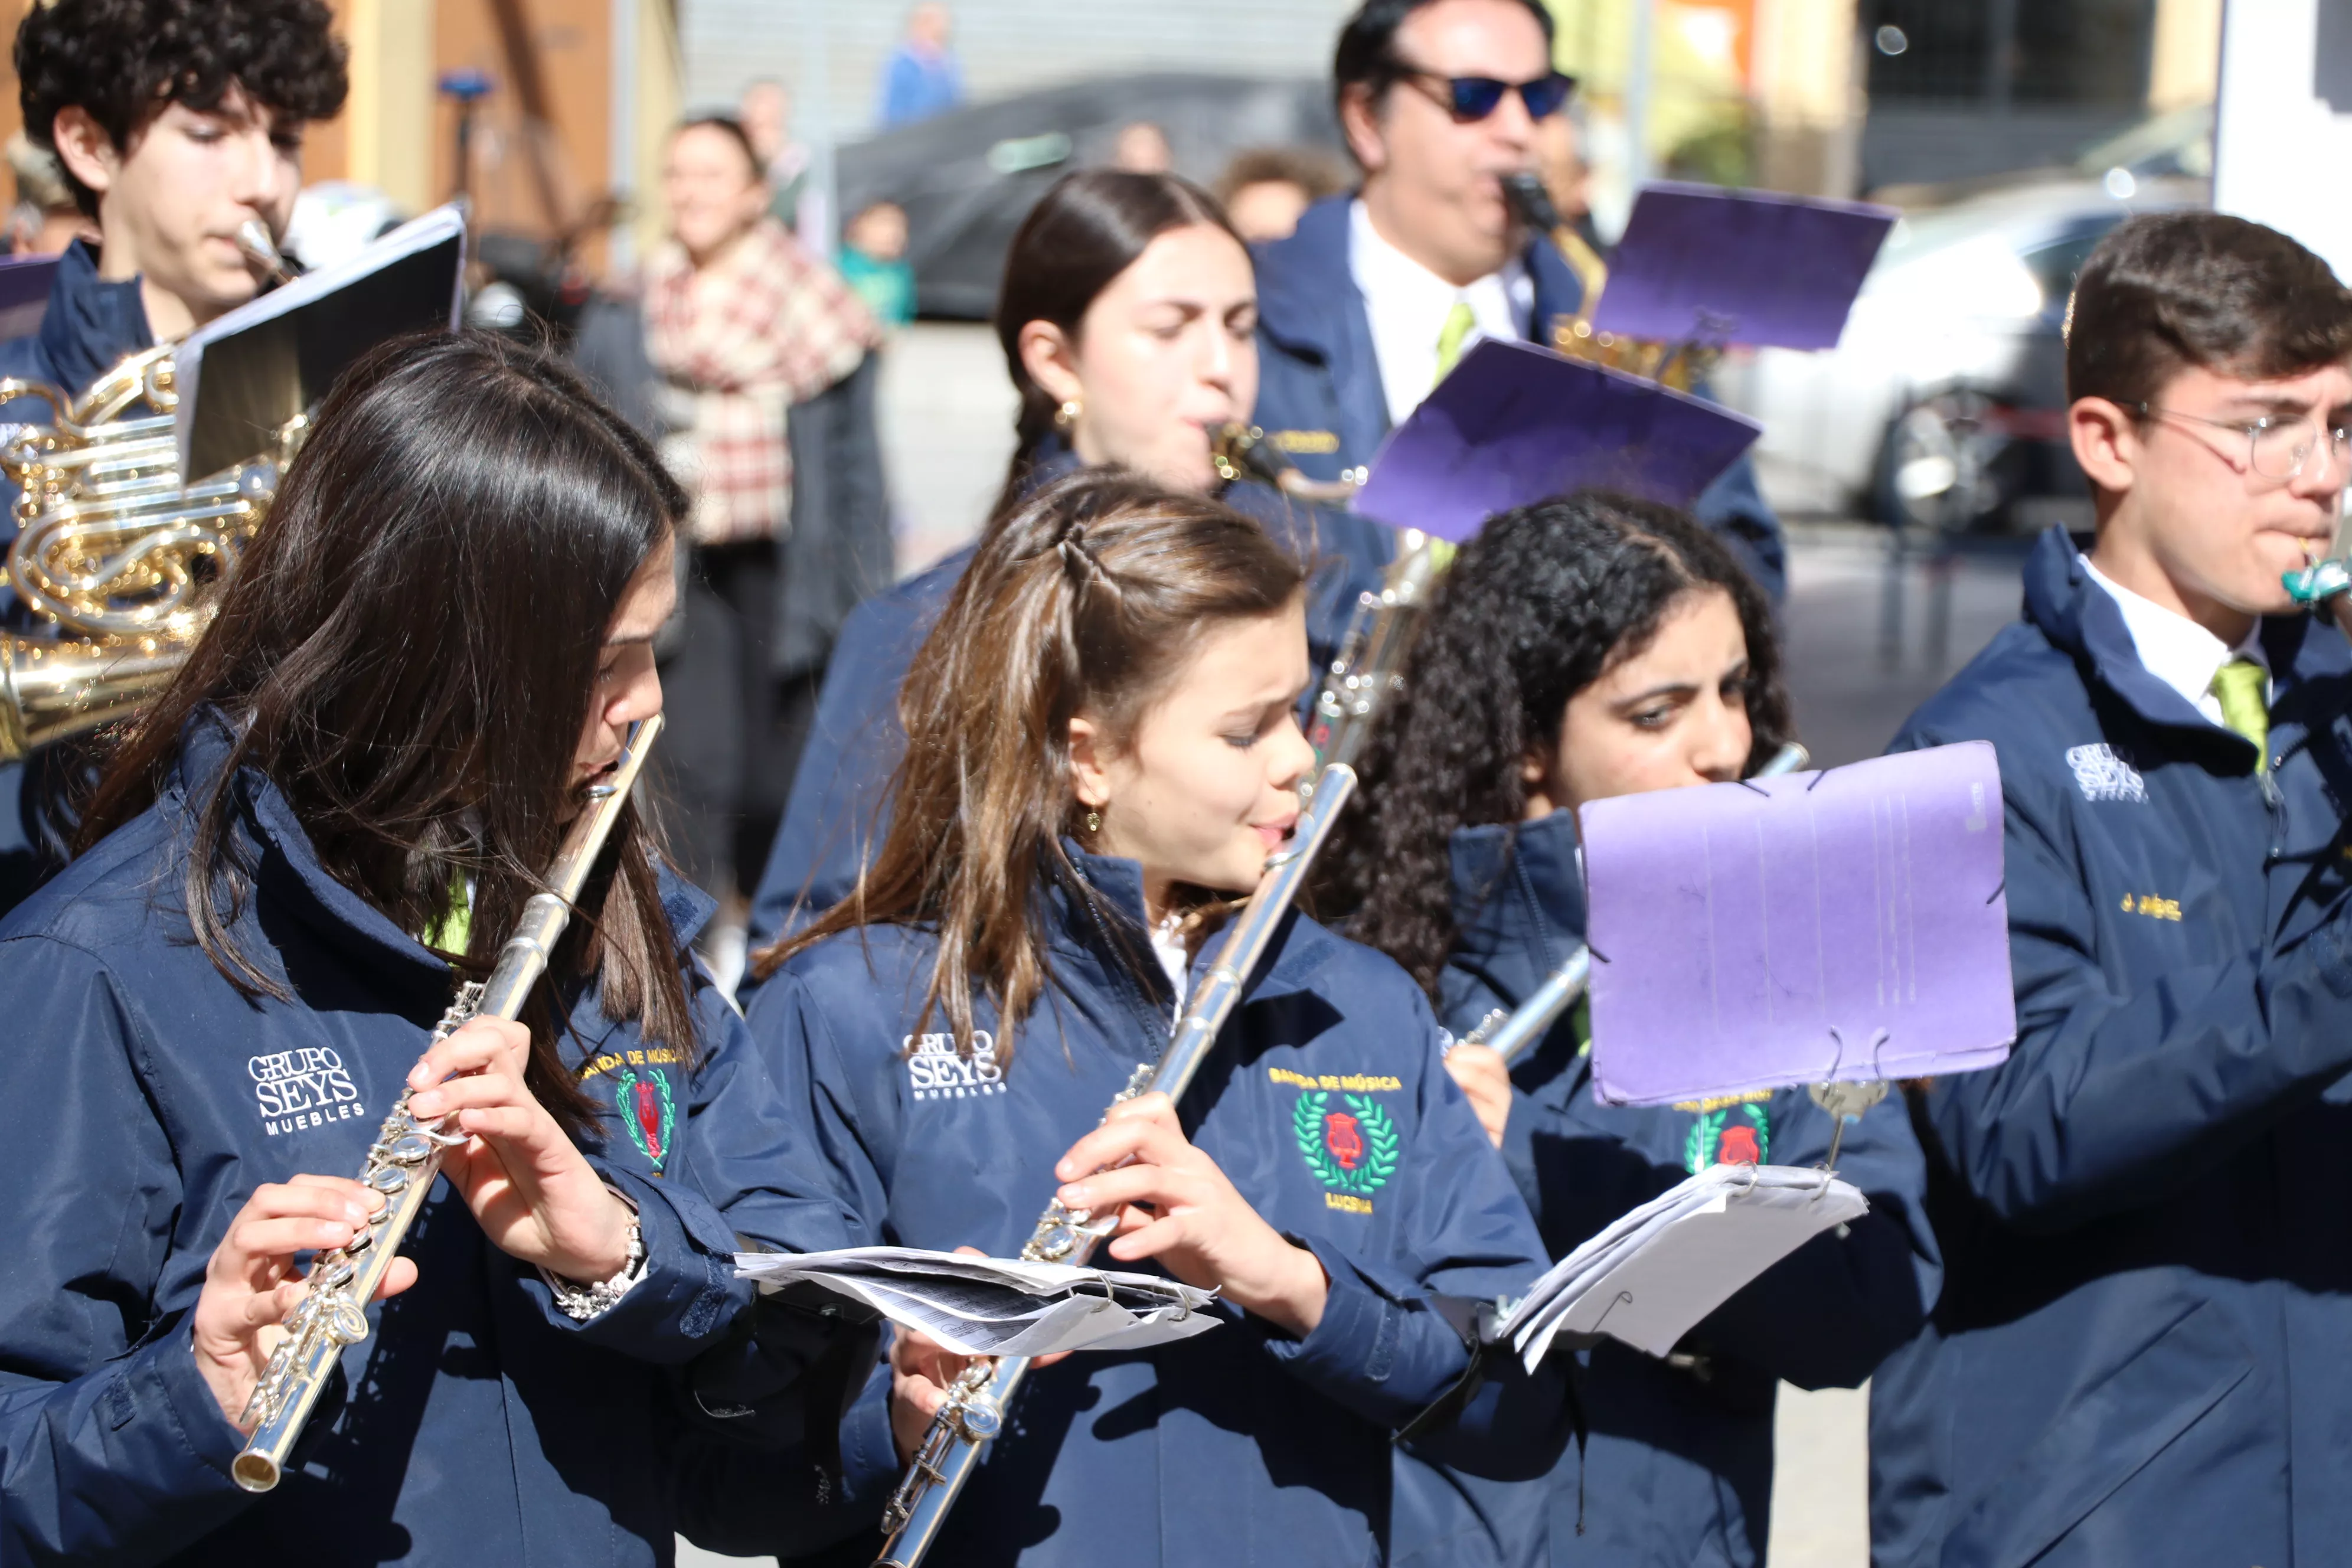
pixel 119 560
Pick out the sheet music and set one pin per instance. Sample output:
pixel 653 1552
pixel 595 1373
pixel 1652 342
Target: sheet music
pixel 1651 1276
pixel 996 1306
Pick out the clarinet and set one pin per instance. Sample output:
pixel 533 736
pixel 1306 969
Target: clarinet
pixel 1513 1034
pixel 976 1402
pixel 407 1152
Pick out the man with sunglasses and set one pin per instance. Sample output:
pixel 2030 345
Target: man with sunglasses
pixel 1364 307
pixel 2139 1352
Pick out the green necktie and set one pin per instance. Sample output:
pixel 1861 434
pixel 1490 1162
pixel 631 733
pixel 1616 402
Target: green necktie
pixel 1460 322
pixel 2245 706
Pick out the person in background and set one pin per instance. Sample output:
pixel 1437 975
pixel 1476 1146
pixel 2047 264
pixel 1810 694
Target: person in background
pixel 46 218
pixel 1126 318
pixel 1576 650
pixel 1142 148
pixel 874 263
pixel 2137 1357
pixel 741 325
pixel 174 122
pixel 1376 296
pixel 766 110
pixel 922 78
pixel 1266 189
pixel 1567 172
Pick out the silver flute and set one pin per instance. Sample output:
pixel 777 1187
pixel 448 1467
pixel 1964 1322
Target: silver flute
pixel 1513 1034
pixel 976 1402
pixel 407 1152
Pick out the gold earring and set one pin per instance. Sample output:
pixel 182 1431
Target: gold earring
pixel 1094 822
pixel 1068 414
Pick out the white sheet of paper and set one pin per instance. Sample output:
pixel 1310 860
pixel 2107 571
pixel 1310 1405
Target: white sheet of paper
pixel 1650 1277
pixel 997 1306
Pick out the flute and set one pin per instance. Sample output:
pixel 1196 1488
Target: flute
pixel 407 1153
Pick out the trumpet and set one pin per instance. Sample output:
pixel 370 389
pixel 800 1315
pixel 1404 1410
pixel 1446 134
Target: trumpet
pixel 1513 1034
pixel 407 1153
pixel 113 550
pixel 1678 366
pixel 974 1409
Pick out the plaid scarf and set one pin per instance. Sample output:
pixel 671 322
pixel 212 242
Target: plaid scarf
pixel 765 325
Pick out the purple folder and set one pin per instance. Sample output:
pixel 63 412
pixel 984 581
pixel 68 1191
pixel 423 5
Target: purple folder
pixel 1514 423
pixel 25 295
pixel 1843 925
pixel 1740 266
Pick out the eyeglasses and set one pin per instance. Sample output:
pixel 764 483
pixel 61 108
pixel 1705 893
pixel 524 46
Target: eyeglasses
pixel 2277 447
pixel 1470 98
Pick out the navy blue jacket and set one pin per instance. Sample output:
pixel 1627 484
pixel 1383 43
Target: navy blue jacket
pixel 839 802
pixel 488 1427
pixel 91 326
pixel 1679 1467
pixel 2139 1351
pixel 1323 1101
pixel 1319 392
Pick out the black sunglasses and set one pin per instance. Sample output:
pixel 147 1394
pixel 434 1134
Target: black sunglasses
pixel 1473 98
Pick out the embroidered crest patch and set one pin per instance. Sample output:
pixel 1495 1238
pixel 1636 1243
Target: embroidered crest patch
pixel 2102 773
pixel 1351 1149
pixel 1718 1137
pixel 647 1112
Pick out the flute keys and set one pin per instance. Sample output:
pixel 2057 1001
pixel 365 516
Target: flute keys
pixel 389 1181
pixel 412 1148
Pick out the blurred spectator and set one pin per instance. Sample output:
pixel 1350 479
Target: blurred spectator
pixel 737 325
pixel 766 108
pixel 1142 148
pixel 874 263
pixel 1568 174
pixel 45 219
pixel 922 78
pixel 1264 189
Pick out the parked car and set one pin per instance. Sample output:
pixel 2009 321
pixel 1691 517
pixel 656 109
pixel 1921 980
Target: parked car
pixel 1943 404
pixel 966 179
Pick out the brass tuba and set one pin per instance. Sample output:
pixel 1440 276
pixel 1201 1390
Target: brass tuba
pixel 113 550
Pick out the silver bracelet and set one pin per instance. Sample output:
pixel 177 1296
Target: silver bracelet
pixel 580 1302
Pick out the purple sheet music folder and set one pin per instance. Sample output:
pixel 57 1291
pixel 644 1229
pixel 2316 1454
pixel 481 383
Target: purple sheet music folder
pixel 1514 424
pixel 1740 266
pixel 1819 926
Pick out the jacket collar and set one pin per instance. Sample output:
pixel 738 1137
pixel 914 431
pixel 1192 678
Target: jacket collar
pixel 1308 305
pixel 93 323
pixel 1300 950
pixel 2082 619
pixel 289 869
pixel 1518 897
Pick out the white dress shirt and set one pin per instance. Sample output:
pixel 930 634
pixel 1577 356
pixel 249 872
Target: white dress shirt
pixel 2177 650
pixel 1408 304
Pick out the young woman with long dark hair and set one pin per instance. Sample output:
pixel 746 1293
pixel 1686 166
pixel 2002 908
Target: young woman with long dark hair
pixel 436 644
pixel 1575 650
pixel 1127 317
pixel 1103 748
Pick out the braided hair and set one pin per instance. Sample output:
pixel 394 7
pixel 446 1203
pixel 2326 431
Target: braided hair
pixel 1534 610
pixel 1086 599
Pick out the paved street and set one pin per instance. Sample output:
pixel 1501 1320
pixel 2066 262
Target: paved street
pixel 948 431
